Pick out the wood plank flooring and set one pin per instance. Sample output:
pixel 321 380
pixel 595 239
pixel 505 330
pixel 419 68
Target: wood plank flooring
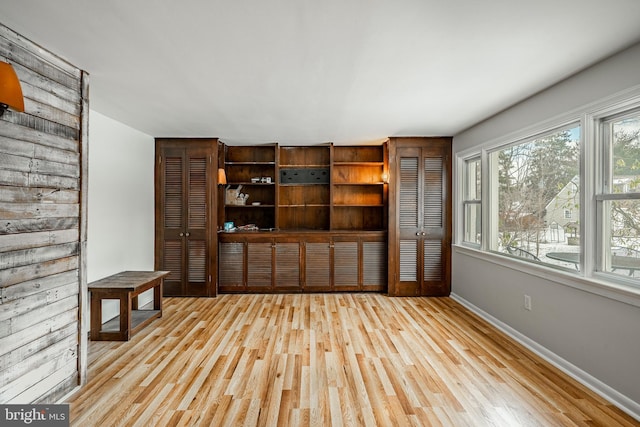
pixel 320 360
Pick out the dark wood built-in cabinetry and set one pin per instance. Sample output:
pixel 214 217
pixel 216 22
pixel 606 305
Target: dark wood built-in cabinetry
pixel 302 261
pixel 321 219
pixel 420 217
pixel 185 215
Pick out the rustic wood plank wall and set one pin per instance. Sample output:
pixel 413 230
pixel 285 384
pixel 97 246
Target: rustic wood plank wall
pixel 42 227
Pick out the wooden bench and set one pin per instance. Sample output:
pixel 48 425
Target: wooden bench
pixel 125 287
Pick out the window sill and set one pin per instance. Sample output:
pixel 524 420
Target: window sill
pixel 599 284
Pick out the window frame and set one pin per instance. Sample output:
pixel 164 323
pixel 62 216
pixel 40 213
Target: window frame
pixel 605 189
pixel 491 177
pixel 468 201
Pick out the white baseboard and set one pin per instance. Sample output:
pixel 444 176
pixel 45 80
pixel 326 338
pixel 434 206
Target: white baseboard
pixel 623 402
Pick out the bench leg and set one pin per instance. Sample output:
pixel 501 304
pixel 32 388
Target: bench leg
pixel 125 316
pixel 96 316
pixel 157 296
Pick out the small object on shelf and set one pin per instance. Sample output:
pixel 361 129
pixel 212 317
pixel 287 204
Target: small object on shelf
pixel 248 227
pixel 266 180
pixel 256 179
pixel 256 203
pixel 228 226
pixel 235 197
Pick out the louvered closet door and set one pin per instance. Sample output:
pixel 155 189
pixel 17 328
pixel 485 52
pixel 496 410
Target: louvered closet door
pixel 173 220
pixel 422 221
pixel 433 222
pixel 183 216
pixel 196 236
pixel 410 214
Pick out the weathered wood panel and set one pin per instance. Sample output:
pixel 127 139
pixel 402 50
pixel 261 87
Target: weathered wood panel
pixel 42 218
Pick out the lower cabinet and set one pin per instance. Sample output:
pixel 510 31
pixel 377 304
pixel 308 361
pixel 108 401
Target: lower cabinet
pixel 302 262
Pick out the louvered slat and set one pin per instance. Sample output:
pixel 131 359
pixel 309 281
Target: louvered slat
pixel 345 264
pixel 287 264
pixel 408 214
pixel 172 260
pixel 433 192
pixel 408 261
pixel 197 192
pixel 173 192
pixel 317 266
pixel 374 263
pixel 197 254
pixel 259 266
pixel 432 260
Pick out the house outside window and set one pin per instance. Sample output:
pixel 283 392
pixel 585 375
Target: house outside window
pixel 536 183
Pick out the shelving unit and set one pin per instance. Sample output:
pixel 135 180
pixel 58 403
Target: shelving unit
pixel 304 192
pixel 242 164
pixel 359 189
pixel 327 219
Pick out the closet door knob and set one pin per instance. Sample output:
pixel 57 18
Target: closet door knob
pixel 181 234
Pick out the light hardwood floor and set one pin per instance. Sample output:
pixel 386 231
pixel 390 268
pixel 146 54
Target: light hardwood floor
pixel 319 359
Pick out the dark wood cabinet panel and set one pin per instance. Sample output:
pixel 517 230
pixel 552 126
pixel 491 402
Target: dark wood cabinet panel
pixel 420 217
pixel 374 265
pixel 346 266
pixel 318 266
pixel 259 266
pixel 287 266
pixel 232 258
pixel 185 202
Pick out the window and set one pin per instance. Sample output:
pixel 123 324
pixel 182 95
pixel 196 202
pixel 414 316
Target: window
pixel 472 204
pixel 566 197
pixel 619 198
pixel 535 187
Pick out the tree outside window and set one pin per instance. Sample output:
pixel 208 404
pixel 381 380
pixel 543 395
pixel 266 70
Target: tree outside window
pixel 537 184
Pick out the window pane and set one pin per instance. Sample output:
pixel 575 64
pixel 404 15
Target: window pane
pixel 625 139
pixel 472 224
pixel 472 181
pixel 538 187
pixel 622 255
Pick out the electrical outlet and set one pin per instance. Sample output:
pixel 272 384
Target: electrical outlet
pixel 527 302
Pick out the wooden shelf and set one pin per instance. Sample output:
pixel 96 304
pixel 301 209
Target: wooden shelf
pixel 250 206
pixel 338 164
pixel 249 163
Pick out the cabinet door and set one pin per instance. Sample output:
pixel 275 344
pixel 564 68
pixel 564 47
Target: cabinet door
pixel 287 266
pixel 420 227
pixel 260 266
pixel 374 265
pixel 231 268
pixel 317 266
pixel 184 198
pixel 345 266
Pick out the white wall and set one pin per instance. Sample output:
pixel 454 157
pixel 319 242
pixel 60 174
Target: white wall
pixel 120 232
pixel 599 337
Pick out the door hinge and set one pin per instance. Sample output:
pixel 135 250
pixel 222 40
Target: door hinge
pixel 209 278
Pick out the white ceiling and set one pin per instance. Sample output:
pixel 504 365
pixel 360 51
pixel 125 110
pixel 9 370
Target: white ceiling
pixel 312 71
